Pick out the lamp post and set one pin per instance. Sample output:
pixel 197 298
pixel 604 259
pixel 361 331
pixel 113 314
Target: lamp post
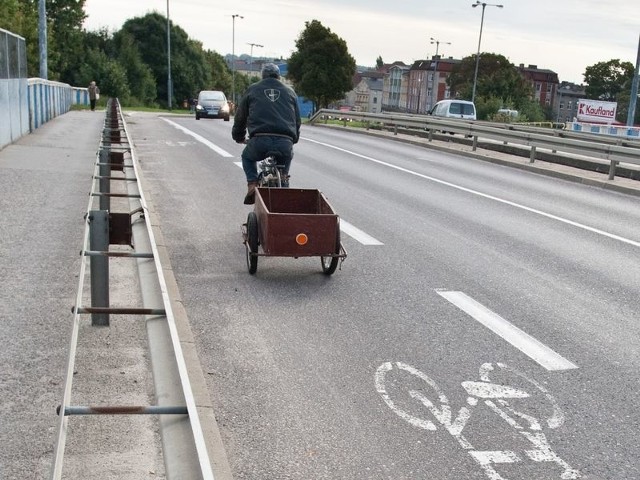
pixel 475 75
pixel 233 57
pixel 251 55
pixel 434 82
pixel 169 102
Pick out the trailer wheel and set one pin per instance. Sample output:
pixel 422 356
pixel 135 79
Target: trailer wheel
pixel 329 264
pixel 252 242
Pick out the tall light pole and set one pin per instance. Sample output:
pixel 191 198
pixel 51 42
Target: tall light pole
pixel 634 91
pixel 251 55
pixel 42 39
pixel 169 102
pixel 475 75
pixel 233 57
pixel 435 83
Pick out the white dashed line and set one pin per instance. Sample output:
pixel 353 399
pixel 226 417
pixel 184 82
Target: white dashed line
pixel 524 342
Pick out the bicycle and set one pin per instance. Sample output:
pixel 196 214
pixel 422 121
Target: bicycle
pixel 271 173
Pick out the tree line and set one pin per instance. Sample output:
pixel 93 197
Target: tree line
pixel 131 64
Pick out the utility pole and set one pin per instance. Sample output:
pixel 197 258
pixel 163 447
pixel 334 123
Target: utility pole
pixel 169 102
pixel 42 38
pixel 251 55
pixel 233 57
pixel 435 83
pixel 475 75
pixel 634 91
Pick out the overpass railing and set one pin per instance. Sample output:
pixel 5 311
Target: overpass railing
pixel 609 148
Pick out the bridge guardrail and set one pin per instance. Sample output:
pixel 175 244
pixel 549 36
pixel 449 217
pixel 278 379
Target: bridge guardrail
pixel 612 149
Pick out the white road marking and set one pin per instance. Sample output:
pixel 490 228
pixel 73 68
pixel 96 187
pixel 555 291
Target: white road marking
pixel 484 195
pixel 524 342
pixel 357 234
pixel 200 138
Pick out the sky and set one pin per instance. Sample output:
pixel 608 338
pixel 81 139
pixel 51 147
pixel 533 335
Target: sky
pixel 564 36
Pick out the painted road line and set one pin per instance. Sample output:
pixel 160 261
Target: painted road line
pixel 512 334
pixel 484 195
pixel 201 139
pixel 357 234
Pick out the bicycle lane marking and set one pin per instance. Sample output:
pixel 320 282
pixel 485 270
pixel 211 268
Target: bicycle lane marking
pixel 354 232
pixel 495 396
pixel 200 138
pixel 485 195
pixel 524 342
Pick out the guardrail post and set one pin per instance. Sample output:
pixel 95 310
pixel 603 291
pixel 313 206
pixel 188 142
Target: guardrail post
pixel 99 265
pixel 395 129
pixel 431 135
pixel 532 155
pixel 475 143
pixel 612 169
pixel 105 182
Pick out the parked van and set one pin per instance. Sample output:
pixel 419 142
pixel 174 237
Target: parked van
pixel 454 109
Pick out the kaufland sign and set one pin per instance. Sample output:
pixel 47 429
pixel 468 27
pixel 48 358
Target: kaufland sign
pixel 596 111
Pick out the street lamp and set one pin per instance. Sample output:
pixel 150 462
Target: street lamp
pixel 434 83
pixel 233 57
pixel 168 59
pixel 475 75
pixel 251 56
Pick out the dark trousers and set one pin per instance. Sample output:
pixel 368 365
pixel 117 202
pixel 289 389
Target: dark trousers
pixel 260 147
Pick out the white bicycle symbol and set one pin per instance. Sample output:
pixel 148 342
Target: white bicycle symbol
pixel 495 396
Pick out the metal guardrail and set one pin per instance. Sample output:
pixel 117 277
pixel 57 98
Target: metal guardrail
pixel 184 446
pixel 611 149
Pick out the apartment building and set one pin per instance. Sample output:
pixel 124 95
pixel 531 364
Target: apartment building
pixel 416 88
pixel 566 105
pixel 543 82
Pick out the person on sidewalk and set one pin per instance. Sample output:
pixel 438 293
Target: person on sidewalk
pixel 269 112
pixel 94 94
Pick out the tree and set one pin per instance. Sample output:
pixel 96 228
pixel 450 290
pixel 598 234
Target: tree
pixel 189 69
pixel 605 80
pixel 220 74
pixel 379 62
pixel 497 79
pixel 21 18
pixel 65 45
pixel 140 79
pixel 321 69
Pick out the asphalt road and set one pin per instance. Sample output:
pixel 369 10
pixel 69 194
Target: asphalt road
pixel 484 324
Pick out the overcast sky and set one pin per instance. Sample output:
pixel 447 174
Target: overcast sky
pixel 560 35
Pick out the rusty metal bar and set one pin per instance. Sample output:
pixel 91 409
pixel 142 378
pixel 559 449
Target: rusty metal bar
pixel 94 253
pixel 119 310
pixel 111 164
pixel 123 410
pixel 123 195
pixel 99 177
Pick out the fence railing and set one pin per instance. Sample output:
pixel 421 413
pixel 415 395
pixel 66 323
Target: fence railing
pixel 612 149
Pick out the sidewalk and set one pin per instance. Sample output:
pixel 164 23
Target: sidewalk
pixel 45 180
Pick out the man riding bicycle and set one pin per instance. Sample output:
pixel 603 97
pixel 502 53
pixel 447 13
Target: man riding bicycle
pixel 269 112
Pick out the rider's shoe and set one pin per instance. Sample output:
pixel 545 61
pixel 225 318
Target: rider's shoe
pixel 250 198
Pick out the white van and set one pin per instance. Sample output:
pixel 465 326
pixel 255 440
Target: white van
pixel 454 109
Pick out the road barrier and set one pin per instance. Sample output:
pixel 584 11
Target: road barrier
pixel 612 149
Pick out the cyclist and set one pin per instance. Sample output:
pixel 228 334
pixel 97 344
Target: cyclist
pixel 269 112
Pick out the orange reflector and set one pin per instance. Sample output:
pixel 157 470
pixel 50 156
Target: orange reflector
pixel 302 239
